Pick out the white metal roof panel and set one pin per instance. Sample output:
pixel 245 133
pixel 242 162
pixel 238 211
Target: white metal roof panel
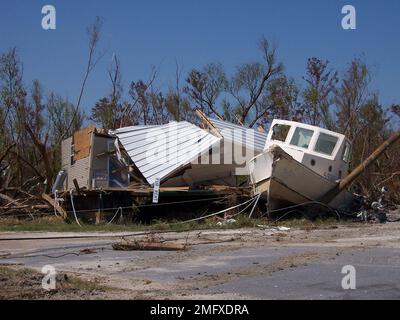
pixel 251 138
pixel 159 151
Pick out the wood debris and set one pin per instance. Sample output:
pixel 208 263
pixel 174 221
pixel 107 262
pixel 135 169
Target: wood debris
pixel 16 202
pixel 148 246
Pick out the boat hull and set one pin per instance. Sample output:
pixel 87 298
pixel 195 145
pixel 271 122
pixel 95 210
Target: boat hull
pixel 282 181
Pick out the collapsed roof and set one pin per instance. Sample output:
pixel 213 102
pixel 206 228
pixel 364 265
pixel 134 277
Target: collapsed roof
pixel 250 138
pixel 160 151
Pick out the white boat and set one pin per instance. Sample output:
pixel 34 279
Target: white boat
pixel 300 164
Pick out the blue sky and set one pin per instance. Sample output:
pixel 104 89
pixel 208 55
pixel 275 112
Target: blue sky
pixel 158 32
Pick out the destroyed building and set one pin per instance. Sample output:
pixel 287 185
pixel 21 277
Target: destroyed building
pixel 177 162
pixel 179 154
pixel 122 168
pixel 92 159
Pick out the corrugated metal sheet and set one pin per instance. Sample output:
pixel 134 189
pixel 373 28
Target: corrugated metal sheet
pixel 159 151
pixel 250 138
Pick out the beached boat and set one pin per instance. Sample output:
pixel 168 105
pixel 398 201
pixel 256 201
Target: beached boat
pixel 300 163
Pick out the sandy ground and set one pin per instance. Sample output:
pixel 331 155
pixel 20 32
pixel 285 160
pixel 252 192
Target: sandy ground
pixel 260 263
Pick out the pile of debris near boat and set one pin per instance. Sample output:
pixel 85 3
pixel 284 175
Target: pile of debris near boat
pixel 214 168
pixel 210 169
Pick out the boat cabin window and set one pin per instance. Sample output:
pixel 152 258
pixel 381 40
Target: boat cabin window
pixel 326 144
pixel 346 152
pixel 280 132
pixel 302 138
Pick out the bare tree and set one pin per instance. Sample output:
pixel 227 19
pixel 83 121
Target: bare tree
pixel 351 96
pixel 114 73
pixel 249 84
pixel 29 128
pixel 15 110
pixel 284 100
pixel 93 32
pixel 60 112
pixel 12 95
pixel 177 104
pixel 137 111
pixel 318 95
pixel 108 111
pixel 205 86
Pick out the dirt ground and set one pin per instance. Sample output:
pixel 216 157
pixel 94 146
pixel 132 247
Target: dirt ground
pixel 25 284
pixel 257 263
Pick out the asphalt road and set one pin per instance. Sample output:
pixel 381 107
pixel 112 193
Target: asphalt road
pixel 241 269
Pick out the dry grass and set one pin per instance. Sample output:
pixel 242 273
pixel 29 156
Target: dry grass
pixel 55 224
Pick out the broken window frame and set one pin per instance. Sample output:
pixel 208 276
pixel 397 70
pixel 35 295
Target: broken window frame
pixel 309 139
pixel 320 137
pixel 282 125
pixel 347 152
pixel 114 166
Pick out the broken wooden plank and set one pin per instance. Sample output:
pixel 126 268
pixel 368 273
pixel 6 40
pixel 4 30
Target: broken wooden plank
pixel 108 153
pixel 174 189
pixel 9 200
pixel 40 207
pixel 344 183
pixel 82 141
pixel 148 246
pixel 15 207
pixel 77 188
pixel 207 123
pixel 22 207
pixel 58 208
pixel 5 197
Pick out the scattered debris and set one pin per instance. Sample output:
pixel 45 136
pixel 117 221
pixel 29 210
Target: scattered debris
pixel 16 202
pixel 226 222
pixel 110 174
pixel 375 212
pixel 265 227
pixel 283 229
pixel 87 251
pixel 148 246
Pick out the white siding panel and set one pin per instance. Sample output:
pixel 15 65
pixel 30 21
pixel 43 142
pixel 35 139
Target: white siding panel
pixel 66 153
pixel 79 171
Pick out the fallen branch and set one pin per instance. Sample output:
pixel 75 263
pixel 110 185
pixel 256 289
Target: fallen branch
pixel 51 201
pixel 214 242
pixel 4 155
pixel 7 198
pixel 148 246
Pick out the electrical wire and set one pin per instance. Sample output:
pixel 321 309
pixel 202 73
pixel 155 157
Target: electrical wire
pixel 302 205
pixel 217 213
pixel 55 203
pixel 73 208
pixel 152 205
pixel 286 214
pixel 255 204
pixel 115 215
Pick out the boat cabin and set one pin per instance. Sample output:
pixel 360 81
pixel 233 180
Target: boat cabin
pixel 323 151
